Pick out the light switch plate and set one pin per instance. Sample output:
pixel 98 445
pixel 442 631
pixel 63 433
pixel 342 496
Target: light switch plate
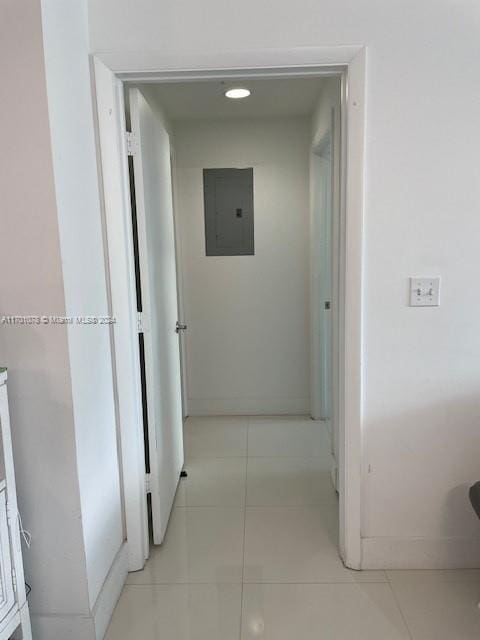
pixel 424 292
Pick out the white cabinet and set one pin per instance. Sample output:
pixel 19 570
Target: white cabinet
pixel 7 589
pixel 14 615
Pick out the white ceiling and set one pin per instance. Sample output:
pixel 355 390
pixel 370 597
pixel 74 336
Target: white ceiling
pixel 276 97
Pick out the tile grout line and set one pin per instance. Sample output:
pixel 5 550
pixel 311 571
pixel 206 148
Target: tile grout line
pixel 311 505
pixel 402 615
pixel 244 531
pixel 329 583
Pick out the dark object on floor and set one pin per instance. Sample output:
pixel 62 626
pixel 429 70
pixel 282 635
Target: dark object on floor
pixel 184 474
pixel 474 494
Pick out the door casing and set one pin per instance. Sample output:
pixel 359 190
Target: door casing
pixel 111 71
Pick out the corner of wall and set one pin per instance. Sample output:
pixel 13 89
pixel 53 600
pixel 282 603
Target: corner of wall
pixel 110 592
pixel 71 118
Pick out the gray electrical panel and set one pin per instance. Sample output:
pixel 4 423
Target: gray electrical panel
pixel 228 197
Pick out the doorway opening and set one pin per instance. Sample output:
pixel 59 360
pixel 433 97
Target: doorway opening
pixel 244 261
pixel 261 384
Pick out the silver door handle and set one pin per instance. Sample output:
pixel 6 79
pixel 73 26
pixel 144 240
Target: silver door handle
pixel 180 327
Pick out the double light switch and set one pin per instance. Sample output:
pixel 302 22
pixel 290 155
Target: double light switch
pixel 424 292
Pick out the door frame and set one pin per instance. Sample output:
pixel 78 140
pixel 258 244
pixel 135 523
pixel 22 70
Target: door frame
pixel 111 71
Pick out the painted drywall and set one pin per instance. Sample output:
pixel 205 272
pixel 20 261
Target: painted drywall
pixel 262 299
pixel 37 356
pixel 421 376
pixel 60 379
pixel 81 244
pixel 148 92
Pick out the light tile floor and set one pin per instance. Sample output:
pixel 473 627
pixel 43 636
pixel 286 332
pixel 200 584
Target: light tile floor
pixel 251 553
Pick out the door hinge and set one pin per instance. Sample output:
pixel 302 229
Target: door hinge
pixel 131 143
pixel 180 326
pixel 9 514
pixel 148 484
pixel 142 324
pixel 14 579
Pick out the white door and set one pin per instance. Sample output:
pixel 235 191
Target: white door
pixel 321 283
pixel 325 293
pixel 158 278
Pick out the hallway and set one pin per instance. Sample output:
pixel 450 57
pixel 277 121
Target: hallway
pixel 251 552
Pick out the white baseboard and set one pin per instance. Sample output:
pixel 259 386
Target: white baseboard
pixel 110 592
pixel 420 553
pixel 72 627
pixel 79 627
pixel 248 406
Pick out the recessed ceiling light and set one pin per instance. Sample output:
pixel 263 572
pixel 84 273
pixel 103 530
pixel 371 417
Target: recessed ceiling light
pixel 237 93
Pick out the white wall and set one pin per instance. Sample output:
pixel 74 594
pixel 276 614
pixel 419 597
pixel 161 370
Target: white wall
pixel 60 380
pixel 37 356
pixel 247 316
pixel 421 376
pixel 81 243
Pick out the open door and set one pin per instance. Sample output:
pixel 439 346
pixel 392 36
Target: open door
pixel 150 147
pixel 321 283
pixel 325 282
